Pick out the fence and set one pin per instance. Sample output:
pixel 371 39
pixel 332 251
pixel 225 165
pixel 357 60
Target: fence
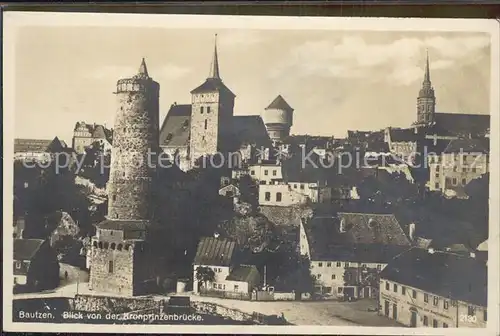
pixel 225 295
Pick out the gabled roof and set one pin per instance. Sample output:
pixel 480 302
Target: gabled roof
pixel 462 124
pixel 403 135
pixel 26 249
pixel 215 251
pixel 468 146
pixel 176 126
pixel 250 129
pixel 449 275
pixel 96 130
pixel 39 146
pixel 324 232
pixel 243 273
pixel 279 103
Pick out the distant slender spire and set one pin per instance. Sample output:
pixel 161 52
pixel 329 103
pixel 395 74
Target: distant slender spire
pixel 143 69
pixel 214 69
pixel 427 77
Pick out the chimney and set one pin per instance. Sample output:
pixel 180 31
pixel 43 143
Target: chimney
pixel 430 250
pixel 411 231
pixel 216 235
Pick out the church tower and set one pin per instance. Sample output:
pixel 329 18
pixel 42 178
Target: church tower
pixel 426 101
pixel 212 105
pixel 119 254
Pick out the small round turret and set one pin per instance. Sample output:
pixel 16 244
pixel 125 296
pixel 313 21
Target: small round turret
pixel 278 118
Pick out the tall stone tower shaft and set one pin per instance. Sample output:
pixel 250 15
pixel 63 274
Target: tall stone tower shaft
pixel 426 101
pixel 135 148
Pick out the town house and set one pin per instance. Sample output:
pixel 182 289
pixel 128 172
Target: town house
pixel 35 265
pixel 231 278
pixel 343 247
pixel 430 288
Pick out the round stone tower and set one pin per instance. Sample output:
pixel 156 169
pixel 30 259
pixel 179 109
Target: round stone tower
pixel 278 118
pixel 133 168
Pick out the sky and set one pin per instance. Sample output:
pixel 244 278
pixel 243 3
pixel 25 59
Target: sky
pixel 335 80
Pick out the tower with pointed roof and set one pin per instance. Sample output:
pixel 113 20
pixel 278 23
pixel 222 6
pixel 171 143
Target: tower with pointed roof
pixel 212 105
pixel 119 260
pixel 278 118
pixel 426 101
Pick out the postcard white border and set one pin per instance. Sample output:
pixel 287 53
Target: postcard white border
pixel 14 20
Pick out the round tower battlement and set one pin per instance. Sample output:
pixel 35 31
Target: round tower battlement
pixel 278 118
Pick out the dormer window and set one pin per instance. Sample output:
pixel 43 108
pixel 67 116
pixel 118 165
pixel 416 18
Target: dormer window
pixel 169 137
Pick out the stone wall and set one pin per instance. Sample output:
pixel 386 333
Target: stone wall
pixel 215 309
pixel 121 280
pixel 114 304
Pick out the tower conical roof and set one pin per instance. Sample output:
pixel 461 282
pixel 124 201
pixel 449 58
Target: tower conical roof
pixel 214 69
pixel 279 103
pixel 143 69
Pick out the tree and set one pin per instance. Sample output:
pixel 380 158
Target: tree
pixel 204 275
pixel 295 274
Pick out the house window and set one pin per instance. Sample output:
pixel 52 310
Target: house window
pixel 485 315
pixel 278 197
pixel 339 290
pixel 110 266
pixel 445 325
pixel 333 276
pixel 436 185
pixel 266 172
pixel 252 172
pixel 294 186
pixel 445 304
pixel 320 264
pixel 379 267
pixel 208 109
pixel 473 169
pixel 347 264
pixel 395 288
pixel 426 321
pixel 414 294
pixel 471 311
pixel 318 276
pixel 339 264
pixel 454 181
pixel 274 172
pixel 201 109
pixel 387 285
pixel 206 123
pixel 435 301
pixel 236 287
pixel 403 290
pixel 437 168
pixel 434 323
pixel 18 264
pixel 464 169
pixel 426 297
pixel 301 186
pixel 329 264
pixel 464 181
pixel 268 196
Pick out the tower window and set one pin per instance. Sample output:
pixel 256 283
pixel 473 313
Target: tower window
pixel 110 266
pixel 201 109
pixel 114 197
pixel 206 123
pixel 208 109
pixel 268 196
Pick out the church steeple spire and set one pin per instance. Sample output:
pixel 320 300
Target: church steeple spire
pixel 214 69
pixel 427 76
pixel 426 101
